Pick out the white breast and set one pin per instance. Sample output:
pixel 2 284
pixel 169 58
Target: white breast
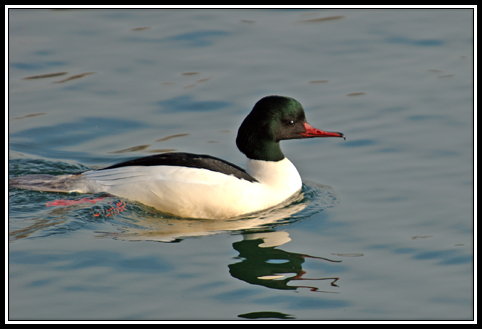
pixel 281 176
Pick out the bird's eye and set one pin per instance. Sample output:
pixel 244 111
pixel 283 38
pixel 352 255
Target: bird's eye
pixel 290 123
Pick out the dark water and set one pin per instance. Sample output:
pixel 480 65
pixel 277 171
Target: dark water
pixel 383 230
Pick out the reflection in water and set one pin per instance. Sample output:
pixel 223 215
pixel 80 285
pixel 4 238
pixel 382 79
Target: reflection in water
pixel 322 19
pixel 266 315
pixel 265 265
pixel 73 77
pixel 43 76
pixel 152 225
pixel 156 226
pixel 261 262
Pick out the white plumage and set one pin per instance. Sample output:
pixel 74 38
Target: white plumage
pixel 199 193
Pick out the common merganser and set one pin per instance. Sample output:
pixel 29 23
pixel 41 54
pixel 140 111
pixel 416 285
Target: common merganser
pixel 202 186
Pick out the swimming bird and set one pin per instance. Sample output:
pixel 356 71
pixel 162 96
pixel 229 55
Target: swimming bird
pixel 203 186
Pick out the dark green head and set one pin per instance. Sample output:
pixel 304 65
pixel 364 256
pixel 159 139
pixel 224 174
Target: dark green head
pixel 273 119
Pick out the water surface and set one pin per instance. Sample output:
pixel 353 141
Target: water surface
pixel 383 230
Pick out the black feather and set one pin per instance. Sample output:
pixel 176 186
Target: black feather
pixel 188 160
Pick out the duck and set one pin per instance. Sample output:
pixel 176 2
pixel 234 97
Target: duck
pixel 202 186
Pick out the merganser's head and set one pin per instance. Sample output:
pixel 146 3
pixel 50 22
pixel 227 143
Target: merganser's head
pixel 275 118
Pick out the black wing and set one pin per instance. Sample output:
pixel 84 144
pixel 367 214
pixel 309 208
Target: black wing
pixel 201 161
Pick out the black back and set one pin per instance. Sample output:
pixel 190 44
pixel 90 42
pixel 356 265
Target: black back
pixel 188 160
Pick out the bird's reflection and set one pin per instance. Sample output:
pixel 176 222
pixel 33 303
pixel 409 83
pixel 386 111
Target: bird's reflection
pixel 260 260
pixel 262 263
pixel 165 229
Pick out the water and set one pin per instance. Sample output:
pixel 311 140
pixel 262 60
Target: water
pixel 383 231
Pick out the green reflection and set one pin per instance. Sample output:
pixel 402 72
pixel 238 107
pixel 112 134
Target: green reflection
pixel 262 263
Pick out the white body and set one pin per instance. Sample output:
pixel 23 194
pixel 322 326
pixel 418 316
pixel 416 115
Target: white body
pixel 197 193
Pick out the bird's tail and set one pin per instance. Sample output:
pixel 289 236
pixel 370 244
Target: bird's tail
pixel 51 183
